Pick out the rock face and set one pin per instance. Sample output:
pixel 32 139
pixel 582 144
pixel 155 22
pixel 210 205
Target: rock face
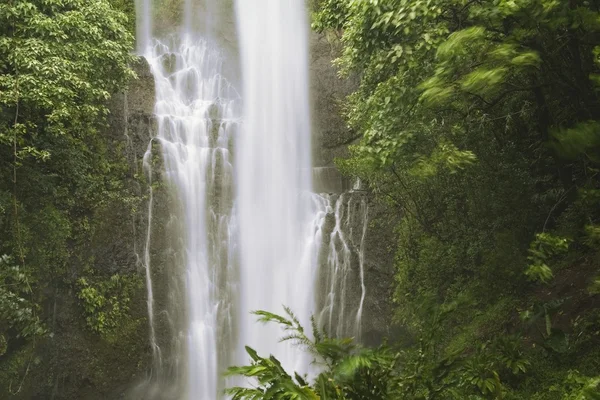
pixel 132 113
pixel 331 138
pixel 85 365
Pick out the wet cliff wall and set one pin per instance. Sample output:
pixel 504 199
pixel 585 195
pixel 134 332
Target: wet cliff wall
pixel 331 138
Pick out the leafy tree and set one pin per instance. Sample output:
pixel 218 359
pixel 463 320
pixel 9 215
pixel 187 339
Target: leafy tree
pixel 60 61
pixel 479 126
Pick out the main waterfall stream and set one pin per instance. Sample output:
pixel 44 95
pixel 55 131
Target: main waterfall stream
pixel 245 230
pixel 277 221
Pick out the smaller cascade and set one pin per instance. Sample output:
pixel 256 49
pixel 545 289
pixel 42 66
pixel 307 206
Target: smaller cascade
pixel 364 209
pixel 342 263
pixel 146 260
pixel 192 318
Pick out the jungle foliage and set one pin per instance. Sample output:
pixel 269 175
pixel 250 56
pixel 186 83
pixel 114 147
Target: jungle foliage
pixel 60 61
pixel 480 127
pixel 346 370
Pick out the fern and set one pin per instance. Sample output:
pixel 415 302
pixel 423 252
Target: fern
pixel 350 372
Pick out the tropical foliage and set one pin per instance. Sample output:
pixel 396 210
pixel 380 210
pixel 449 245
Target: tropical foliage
pixel 60 61
pixel 350 371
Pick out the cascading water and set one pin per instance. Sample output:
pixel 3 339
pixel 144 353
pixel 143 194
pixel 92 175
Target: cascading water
pixel 195 111
pixel 196 117
pixel 277 227
pixel 341 255
pixel 244 235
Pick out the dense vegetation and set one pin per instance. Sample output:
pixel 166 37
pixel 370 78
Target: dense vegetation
pixel 480 128
pixel 60 61
pixel 480 131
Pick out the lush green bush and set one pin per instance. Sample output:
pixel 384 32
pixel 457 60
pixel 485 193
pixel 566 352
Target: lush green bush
pixel 106 303
pixel 425 371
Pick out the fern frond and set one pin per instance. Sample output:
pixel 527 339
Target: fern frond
pixel 291 314
pixel 240 393
pixel 315 329
pixel 297 339
pixel 349 366
pixel 266 317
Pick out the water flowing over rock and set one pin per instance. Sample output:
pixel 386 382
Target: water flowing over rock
pixel 196 116
pixel 245 231
pixel 341 286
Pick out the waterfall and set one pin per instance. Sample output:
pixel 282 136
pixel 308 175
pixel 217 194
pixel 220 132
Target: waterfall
pixel 244 230
pixel 195 111
pixel 341 255
pixel 277 227
pixel 143 24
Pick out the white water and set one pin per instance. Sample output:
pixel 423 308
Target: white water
pixel 143 33
pixel 249 234
pixel 277 242
pixel 146 260
pixel 195 110
pixel 342 256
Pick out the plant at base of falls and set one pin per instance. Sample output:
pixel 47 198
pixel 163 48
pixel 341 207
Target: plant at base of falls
pixel 106 303
pixel 435 369
pixel 486 367
pixel 352 372
pixel 18 314
pixel 348 371
pixel 595 286
pixel 541 316
pixel 273 381
pixel 577 387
